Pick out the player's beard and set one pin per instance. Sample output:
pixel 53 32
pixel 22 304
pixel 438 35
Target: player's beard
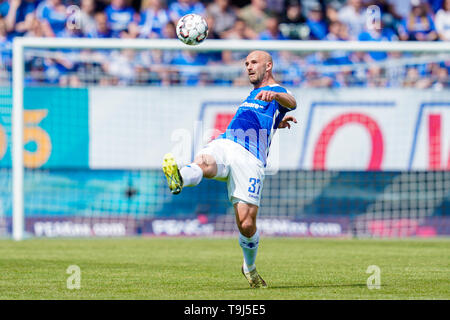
pixel 256 80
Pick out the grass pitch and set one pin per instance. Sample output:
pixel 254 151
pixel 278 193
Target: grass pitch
pixel 193 268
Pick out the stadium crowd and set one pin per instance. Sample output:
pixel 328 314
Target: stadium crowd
pixel 322 20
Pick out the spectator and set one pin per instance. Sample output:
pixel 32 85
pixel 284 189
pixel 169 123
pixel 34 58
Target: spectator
pixel 240 30
pixel 353 15
pixel 5 52
pixel 224 16
pixel 101 29
pixel 34 27
pixel 185 60
pixel 376 77
pixel 56 68
pixel 132 31
pixel 169 31
pixel 316 23
pixel 386 8
pixel 3 34
pixel 213 57
pixel 413 80
pixel 255 15
pixel 403 7
pixel 276 6
pixel 182 7
pixel 332 12
pixel 288 70
pixel 293 22
pixel 70 32
pixel 378 33
pixel 442 80
pixel 435 5
pixel 359 60
pixel 396 72
pixel 154 18
pixel 358 57
pixel 73 27
pixel 272 31
pixel 313 79
pixel 212 33
pixel 122 66
pixel 389 15
pixel 53 15
pixel 442 21
pixel 50 18
pixel 119 15
pixel 157 61
pixel 87 16
pixel 14 12
pixel 337 32
pixel 432 71
pixel 418 25
pixel 345 78
pixel 88 71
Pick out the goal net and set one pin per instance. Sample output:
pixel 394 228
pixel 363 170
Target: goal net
pixel 370 155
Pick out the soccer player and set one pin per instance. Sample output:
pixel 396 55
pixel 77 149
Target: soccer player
pixel 239 155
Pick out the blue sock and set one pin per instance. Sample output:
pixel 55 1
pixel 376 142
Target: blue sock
pixel 249 248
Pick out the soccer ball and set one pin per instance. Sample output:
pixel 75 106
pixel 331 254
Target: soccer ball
pixel 192 29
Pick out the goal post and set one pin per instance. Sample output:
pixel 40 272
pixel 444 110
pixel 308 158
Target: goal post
pixel 21 45
pixel 17 138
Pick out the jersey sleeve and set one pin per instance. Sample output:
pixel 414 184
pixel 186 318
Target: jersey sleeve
pixel 284 90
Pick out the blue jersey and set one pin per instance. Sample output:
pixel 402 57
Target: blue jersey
pixel 119 18
pixel 56 18
pixel 255 123
pixel 152 21
pixel 178 10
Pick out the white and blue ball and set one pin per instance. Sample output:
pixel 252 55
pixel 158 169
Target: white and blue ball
pixel 192 29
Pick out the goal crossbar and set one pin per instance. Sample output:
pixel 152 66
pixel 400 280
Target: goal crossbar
pixel 235 45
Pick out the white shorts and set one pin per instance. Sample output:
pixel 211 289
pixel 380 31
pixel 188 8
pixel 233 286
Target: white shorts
pixel 243 172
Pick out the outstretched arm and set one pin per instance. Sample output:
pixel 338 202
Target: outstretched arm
pixel 283 98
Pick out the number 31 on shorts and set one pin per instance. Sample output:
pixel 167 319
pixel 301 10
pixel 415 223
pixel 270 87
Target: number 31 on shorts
pixel 255 185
